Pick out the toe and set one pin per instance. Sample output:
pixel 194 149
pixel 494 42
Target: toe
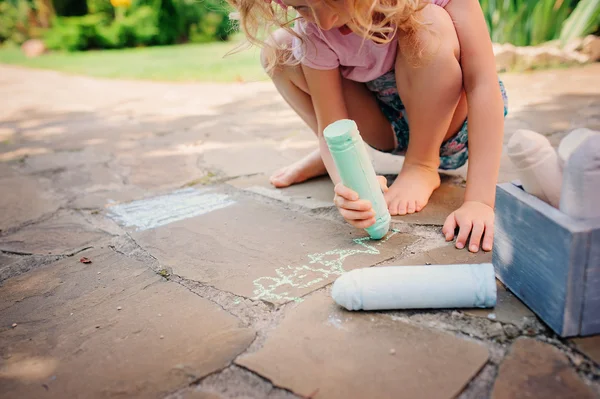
pixel 281 181
pixel 393 206
pixel 411 206
pixel 420 205
pixel 402 207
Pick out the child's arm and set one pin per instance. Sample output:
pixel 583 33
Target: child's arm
pixel 325 87
pixel 486 125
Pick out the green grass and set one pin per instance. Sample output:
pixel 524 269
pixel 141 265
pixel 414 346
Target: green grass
pixel 186 62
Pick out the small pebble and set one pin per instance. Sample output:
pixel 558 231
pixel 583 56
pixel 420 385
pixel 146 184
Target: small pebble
pixel 119 308
pixel 97 326
pixel 428 263
pixel 14 325
pixel 491 316
pixel 99 272
pixel 392 351
pixel 162 337
pixel 71 314
pixel 511 331
pixel 577 360
pixel 159 315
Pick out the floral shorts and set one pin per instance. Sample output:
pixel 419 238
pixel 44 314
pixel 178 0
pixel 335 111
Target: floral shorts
pixel 454 152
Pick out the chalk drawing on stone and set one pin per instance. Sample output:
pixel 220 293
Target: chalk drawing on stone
pixel 320 266
pixel 158 211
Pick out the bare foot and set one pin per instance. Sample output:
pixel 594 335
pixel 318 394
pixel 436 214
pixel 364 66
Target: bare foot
pixel 412 189
pixel 308 167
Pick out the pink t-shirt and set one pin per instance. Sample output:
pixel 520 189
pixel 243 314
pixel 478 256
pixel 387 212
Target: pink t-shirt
pixel 358 59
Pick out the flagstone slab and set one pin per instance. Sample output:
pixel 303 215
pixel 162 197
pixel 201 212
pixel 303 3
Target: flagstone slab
pixel 534 369
pixel 322 351
pixel 263 251
pixel 63 234
pixel 313 194
pixel 65 160
pixel 108 328
pixel 25 199
pixel 248 158
pixel 590 346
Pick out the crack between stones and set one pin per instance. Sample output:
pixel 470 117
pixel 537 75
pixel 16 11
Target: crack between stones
pixel 270 381
pixel 41 219
pixel 182 282
pixel 58 256
pixel 481 375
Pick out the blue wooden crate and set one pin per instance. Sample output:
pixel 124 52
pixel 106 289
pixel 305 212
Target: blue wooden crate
pixel 549 260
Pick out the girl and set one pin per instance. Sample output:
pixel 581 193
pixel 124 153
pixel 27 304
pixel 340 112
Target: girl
pixel 409 72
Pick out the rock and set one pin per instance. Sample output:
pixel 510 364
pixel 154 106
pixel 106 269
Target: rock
pixel 572 45
pixel 547 56
pixel 33 48
pixel 506 56
pixel 495 330
pixel 591 47
pixel 576 57
pixel 511 331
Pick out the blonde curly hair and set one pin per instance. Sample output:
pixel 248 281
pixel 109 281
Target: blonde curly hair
pixel 376 20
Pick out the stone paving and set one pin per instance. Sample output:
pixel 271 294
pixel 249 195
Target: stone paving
pixel 144 254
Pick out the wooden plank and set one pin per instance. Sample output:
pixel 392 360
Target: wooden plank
pixel 590 323
pixel 540 255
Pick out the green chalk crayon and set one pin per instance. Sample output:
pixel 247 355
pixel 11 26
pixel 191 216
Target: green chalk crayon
pixel 356 170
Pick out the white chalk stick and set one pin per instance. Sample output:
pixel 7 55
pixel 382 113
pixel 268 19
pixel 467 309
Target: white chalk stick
pixel 580 196
pixel 571 142
pixel 537 165
pixel 417 287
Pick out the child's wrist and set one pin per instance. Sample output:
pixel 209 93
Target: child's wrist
pixel 484 198
pixel 487 197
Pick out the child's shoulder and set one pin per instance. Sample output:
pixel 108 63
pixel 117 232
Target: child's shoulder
pixel 306 29
pixel 441 3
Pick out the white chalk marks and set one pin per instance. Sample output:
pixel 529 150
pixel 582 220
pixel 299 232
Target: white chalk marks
pixel 158 211
pixel 320 266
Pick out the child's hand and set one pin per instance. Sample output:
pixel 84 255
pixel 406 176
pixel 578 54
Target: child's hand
pixel 475 218
pixel 359 213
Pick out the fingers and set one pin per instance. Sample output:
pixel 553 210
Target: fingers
pixel 360 205
pixel 476 235
pixel 362 224
pixel 465 228
pixel 348 199
pixel 345 192
pixel 357 215
pixel 449 227
pixel 488 239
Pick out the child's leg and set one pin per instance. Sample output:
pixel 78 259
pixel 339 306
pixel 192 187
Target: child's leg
pixel 436 108
pixel 360 102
